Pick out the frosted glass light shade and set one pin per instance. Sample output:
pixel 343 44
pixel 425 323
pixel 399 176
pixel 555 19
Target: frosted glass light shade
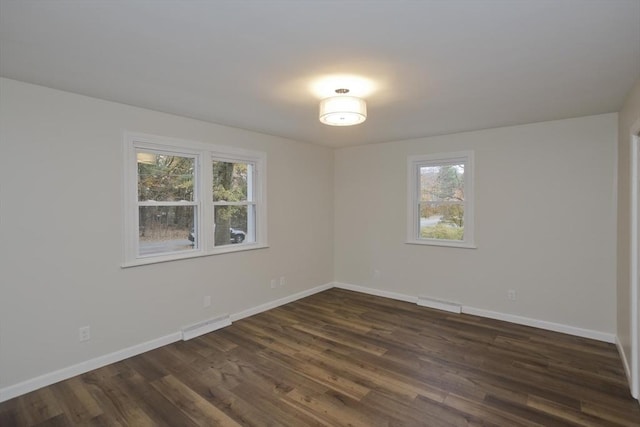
pixel 343 111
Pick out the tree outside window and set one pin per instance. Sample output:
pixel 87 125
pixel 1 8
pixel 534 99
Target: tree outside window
pixel 166 204
pixel 441 199
pixel 185 199
pixel 442 202
pixel 234 202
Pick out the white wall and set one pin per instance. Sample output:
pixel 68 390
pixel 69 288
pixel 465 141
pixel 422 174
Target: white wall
pixel 545 222
pixel 61 240
pixel 629 118
pixel 545 226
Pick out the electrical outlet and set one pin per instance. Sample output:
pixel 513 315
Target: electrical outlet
pixel 376 274
pixel 283 280
pixel 84 333
pixel 274 284
pixel 511 295
pixel 206 302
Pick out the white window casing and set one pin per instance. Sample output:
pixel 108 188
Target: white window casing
pixel 203 227
pixel 415 199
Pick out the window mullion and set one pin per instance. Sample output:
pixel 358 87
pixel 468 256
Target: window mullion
pixel 157 203
pixel 147 160
pixel 206 192
pixel 224 203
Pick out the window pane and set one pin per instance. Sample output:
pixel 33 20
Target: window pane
pixel 166 229
pixel 165 178
pixel 443 221
pixel 232 181
pixel 234 224
pixel 442 183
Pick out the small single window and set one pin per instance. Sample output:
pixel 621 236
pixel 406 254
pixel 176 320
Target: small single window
pixel 441 199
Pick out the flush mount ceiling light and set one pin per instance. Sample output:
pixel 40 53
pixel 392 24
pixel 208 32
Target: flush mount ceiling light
pixel 343 110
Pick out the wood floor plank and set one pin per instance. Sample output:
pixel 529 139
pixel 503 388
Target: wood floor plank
pixel 363 344
pixel 341 358
pixel 523 412
pixel 411 413
pixel 111 395
pixel 76 401
pixel 192 404
pixel 565 413
pixel 40 406
pixel 270 411
pixel 608 413
pixel 486 413
pixel 156 406
pixel 334 409
pixel 59 420
pixel 11 413
pixel 219 396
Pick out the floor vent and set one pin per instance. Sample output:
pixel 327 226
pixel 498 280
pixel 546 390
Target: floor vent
pixel 440 305
pixel 205 327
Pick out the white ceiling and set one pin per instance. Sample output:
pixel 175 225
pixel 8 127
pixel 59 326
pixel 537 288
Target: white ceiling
pixel 434 66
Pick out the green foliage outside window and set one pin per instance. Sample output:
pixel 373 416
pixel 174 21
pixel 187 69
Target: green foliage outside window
pixel 442 231
pixel 229 185
pixel 442 195
pixel 165 178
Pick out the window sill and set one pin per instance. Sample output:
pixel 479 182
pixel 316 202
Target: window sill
pixel 195 254
pixel 445 243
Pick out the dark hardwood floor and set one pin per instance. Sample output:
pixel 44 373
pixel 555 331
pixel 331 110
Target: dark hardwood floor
pixel 340 358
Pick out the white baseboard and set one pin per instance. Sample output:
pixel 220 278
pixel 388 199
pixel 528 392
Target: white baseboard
pixel 542 324
pixel 71 371
pixel 282 301
pixel 27 386
pixel 376 292
pixel 451 307
pixel 625 362
pixel 204 327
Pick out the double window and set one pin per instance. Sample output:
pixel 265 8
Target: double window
pixel 441 199
pixel 186 199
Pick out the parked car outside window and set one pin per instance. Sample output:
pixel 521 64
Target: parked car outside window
pixel 236 235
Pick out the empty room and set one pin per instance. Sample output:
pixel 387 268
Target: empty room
pixel 319 213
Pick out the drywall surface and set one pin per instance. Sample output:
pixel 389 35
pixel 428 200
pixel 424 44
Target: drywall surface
pixel 545 222
pixel 61 246
pixel 629 118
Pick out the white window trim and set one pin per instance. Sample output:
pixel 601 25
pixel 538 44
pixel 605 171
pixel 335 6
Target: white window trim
pixel 203 197
pixel 414 163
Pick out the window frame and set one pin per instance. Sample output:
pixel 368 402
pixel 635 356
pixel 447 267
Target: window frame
pixel 204 155
pixel 414 163
pixel 254 189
